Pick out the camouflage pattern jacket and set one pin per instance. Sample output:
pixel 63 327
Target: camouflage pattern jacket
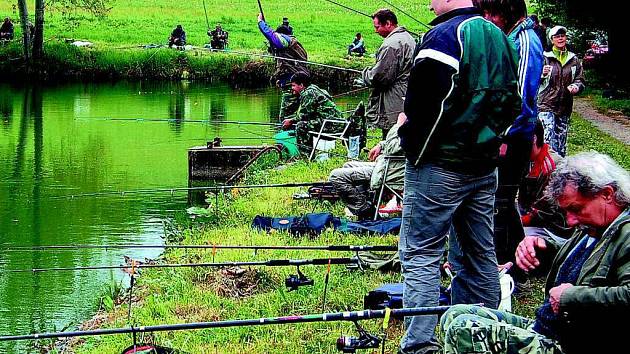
pixel 316 105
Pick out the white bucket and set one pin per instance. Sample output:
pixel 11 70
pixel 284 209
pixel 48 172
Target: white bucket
pixel 507 287
pixel 324 145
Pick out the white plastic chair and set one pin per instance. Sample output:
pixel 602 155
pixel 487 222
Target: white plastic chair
pixel 320 135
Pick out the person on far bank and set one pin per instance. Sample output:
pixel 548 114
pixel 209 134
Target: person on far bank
pixel 463 94
pixel 388 77
pixel 587 292
pixel 285 23
pixel 511 17
pixel 178 37
pixel 562 78
pixel 357 46
pixel 285 45
pixel 315 105
pixel 6 30
pixel 218 37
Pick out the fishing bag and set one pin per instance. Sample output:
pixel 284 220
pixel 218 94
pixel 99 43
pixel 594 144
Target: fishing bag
pixel 310 224
pixel 391 295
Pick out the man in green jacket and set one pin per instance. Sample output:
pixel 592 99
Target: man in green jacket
pixel 462 95
pixel 315 105
pixel 588 286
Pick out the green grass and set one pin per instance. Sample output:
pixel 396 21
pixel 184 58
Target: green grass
pixel 606 105
pixel 189 295
pixel 595 82
pixel 186 295
pixel 324 29
pixel 584 136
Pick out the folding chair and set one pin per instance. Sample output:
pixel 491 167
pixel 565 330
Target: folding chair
pixel 385 185
pixel 321 135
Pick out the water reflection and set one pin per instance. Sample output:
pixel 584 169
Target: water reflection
pixel 62 140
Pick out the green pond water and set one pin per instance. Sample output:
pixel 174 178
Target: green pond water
pixel 74 139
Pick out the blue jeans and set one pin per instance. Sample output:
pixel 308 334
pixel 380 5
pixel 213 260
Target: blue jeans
pixel 434 200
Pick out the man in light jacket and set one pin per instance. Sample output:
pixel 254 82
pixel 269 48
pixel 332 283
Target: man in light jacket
pixel 388 78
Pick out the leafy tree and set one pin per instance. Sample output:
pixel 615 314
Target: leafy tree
pixel 97 8
pixel 590 16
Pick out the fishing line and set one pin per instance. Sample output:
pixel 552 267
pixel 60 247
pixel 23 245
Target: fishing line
pixel 139 265
pixel 179 189
pixel 332 248
pixel 405 13
pixel 229 51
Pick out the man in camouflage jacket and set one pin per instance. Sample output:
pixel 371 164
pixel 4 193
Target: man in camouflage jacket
pixel 315 105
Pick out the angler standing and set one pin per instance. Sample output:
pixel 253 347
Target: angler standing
pixel 388 77
pixel 511 17
pixel 463 93
pixel 284 45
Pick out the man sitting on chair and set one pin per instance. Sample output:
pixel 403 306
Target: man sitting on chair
pixel 355 178
pixel 218 38
pixel 315 105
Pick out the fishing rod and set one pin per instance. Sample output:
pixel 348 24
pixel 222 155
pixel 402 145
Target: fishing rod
pixel 370 16
pixel 229 51
pixel 141 265
pixel 206 12
pixel 405 13
pixel 178 189
pixel 262 14
pixel 349 8
pixel 331 248
pixel 181 120
pixel 350 92
pixel 349 316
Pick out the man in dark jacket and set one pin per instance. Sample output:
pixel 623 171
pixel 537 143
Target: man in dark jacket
pixel 6 30
pixel 588 286
pixel 285 24
pixel 218 38
pixel 511 17
pixel 291 57
pixel 463 93
pixel 178 37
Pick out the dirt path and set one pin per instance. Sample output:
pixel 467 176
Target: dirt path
pixel 617 126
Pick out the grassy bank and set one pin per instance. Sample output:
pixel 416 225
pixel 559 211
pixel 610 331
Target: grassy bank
pixel 324 29
pixel 187 295
pixel 607 101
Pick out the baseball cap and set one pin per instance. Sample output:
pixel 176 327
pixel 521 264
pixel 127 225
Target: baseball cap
pixel 556 30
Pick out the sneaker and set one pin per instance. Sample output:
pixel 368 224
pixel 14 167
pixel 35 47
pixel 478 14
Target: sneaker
pixel 348 213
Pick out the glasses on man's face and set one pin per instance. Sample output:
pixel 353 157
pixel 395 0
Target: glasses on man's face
pixel 562 35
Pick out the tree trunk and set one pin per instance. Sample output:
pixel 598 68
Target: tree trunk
pixel 619 52
pixel 38 40
pixel 25 30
